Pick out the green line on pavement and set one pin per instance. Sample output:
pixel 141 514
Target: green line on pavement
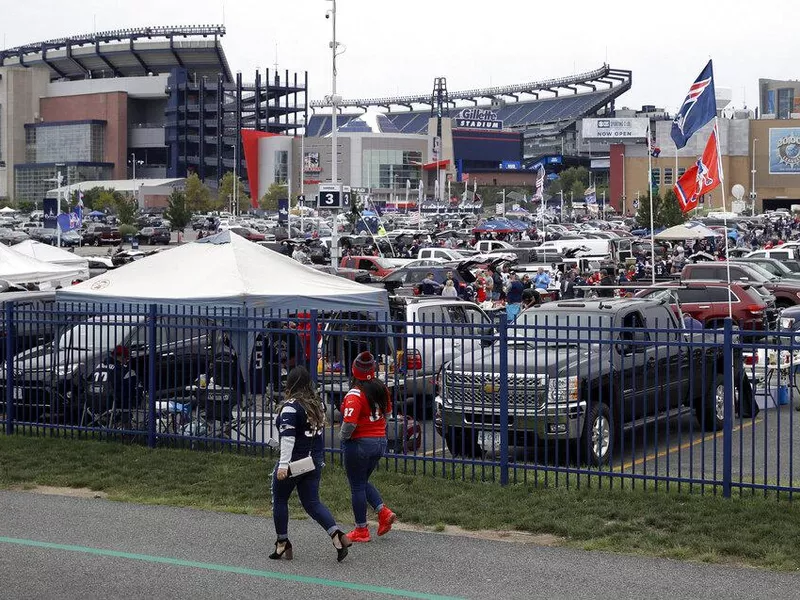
pixel 360 587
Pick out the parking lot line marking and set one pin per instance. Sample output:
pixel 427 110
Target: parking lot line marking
pixel 685 446
pixel 360 587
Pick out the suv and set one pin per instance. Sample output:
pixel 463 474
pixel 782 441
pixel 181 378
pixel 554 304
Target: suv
pixel 406 280
pixel 778 268
pixel 97 234
pixel 154 235
pixel 707 301
pixel 585 372
pixel 50 380
pixel 786 291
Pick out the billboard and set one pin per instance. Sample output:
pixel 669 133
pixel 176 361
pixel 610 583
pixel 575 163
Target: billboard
pixel 609 129
pixel 784 151
pixel 478 118
pixel 50 209
pixel 311 162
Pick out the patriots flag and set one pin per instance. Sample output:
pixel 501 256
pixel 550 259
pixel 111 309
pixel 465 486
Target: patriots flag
pixel 701 178
pixel 699 107
pixel 540 175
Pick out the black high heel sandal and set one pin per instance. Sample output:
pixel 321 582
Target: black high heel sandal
pixel 343 544
pixel 285 553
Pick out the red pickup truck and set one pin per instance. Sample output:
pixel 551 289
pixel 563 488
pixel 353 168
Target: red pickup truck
pixel 376 265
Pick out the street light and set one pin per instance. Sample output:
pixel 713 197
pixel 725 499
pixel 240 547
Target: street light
pixel 753 181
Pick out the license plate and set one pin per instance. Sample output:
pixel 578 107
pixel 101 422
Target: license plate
pixel 489 440
pixel 16 393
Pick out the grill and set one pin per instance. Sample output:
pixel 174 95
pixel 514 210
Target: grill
pixel 469 389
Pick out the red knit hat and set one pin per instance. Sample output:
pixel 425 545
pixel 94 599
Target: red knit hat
pixel 364 367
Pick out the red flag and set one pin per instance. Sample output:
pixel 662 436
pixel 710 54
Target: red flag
pixel 700 179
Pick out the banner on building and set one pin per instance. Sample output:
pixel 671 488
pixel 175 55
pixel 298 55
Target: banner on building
pixel 784 150
pixel 311 162
pixel 610 129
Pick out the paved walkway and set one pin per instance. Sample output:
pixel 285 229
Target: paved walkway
pixel 65 547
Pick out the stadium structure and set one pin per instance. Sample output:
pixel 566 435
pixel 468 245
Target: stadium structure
pixel 154 102
pixel 544 112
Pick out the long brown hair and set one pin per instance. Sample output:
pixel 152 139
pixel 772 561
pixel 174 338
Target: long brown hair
pixel 376 392
pixel 300 389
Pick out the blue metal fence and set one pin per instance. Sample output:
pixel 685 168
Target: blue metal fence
pixel 590 394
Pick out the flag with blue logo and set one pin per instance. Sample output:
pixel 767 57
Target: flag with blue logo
pixel 698 108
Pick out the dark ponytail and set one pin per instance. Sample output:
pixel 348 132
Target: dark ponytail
pixel 376 392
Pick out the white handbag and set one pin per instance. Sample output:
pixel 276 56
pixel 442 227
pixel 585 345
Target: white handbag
pixel 302 466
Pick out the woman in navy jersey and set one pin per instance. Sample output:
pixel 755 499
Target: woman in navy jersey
pixel 363 433
pixel 300 422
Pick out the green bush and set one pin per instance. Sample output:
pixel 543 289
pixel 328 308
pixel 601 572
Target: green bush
pixel 126 230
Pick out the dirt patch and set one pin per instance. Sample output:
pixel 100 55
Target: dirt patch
pixel 49 490
pixel 516 537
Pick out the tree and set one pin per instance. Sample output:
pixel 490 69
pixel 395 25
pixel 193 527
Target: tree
pixel 269 201
pixel 669 212
pixel 198 196
pixel 643 213
pixel 103 201
pixel 178 212
pixel 576 191
pixel 126 210
pixel 225 192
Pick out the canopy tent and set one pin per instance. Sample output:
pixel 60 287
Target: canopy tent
pixel 16 267
pixel 7 210
pixel 97 213
pixel 226 271
pixel 495 226
pixel 687 231
pixel 56 256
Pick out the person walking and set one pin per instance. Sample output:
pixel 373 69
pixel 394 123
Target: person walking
pixel 300 423
pixel 363 434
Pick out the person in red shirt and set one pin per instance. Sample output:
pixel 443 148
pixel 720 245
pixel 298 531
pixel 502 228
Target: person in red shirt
pixel 363 434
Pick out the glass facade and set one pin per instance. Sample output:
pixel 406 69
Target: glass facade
pixel 32 182
pixel 68 142
pixel 281 166
pixel 390 169
pixel 785 102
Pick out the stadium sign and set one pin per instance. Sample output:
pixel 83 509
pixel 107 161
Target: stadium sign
pixel 609 129
pixel 477 118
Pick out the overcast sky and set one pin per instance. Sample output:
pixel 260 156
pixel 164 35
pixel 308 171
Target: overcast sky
pixel 399 47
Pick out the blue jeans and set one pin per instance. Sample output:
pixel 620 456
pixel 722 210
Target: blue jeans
pixel 307 486
pixel 361 456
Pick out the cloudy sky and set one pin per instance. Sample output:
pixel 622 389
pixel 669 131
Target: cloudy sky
pixel 399 47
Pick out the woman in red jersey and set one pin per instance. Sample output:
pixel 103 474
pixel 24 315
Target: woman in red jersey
pixel 363 433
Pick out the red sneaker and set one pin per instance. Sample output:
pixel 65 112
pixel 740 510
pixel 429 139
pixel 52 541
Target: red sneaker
pixel 359 534
pixel 385 519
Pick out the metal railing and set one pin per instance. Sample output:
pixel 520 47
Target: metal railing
pixel 568 399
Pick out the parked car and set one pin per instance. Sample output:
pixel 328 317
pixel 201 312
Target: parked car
pixel 248 233
pixel 152 236
pixel 50 380
pixel 376 265
pixel 43 235
pixel 34 322
pixel 97 234
pixel 779 268
pixel 406 281
pixel 71 238
pixel 357 275
pixel 707 301
pixel 786 291
pixel 585 372
pixel 11 237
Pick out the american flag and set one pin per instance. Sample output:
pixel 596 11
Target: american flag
pixel 539 195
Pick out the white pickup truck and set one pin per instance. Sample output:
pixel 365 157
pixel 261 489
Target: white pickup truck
pixel 444 254
pixel 586 247
pixel 485 246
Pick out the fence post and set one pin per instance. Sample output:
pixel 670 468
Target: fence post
pixel 151 376
pixel 313 356
pixel 9 368
pixel 727 423
pixel 503 341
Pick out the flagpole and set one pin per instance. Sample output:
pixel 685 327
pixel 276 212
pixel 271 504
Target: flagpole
pixel 724 215
pixel 650 193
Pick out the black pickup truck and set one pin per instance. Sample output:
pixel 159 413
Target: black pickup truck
pixel 586 372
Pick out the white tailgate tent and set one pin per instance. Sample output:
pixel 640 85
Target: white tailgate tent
pixel 226 271
pixel 687 231
pixel 53 255
pixel 16 267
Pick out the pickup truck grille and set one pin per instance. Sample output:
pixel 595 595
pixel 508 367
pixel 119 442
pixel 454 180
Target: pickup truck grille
pixel 483 389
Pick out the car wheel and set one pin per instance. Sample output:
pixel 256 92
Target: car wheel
pixel 598 436
pixel 462 443
pixel 712 407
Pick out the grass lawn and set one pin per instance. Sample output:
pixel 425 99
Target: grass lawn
pixel 760 532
